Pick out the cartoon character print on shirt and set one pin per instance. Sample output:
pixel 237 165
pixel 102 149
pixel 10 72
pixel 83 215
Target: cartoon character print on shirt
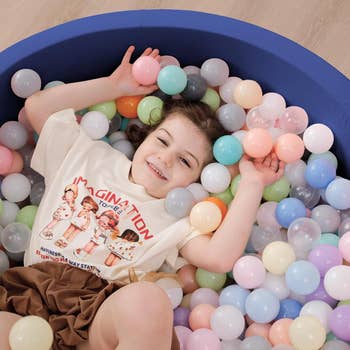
pixel 122 247
pixel 81 221
pixel 107 224
pixel 63 212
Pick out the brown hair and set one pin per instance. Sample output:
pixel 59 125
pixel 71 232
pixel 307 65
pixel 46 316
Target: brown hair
pixel 89 200
pixel 198 112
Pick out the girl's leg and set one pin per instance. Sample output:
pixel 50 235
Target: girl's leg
pixel 7 319
pixel 137 316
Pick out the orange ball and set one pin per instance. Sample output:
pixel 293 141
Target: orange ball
pixel 289 147
pixel 200 316
pixel 17 163
pixel 220 203
pixel 257 143
pixel 279 331
pixel 261 329
pixel 127 105
pixel 187 277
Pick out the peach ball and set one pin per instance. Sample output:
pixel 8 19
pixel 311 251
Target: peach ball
pixel 261 329
pixel 289 148
pixel 279 332
pixel 200 316
pixel 248 94
pixel 257 143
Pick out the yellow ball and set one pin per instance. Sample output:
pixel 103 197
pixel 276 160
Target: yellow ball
pixel 205 216
pixel 307 333
pixel 31 333
pixel 248 94
pixel 277 256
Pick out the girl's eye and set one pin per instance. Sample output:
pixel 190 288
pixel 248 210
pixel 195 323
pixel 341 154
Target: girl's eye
pixel 162 141
pixel 183 160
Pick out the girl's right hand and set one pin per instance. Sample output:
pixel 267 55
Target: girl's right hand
pixel 123 79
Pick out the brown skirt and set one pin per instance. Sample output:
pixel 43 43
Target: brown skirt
pixel 67 297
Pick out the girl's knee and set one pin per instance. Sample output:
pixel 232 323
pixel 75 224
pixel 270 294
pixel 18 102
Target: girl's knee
pixel 7 320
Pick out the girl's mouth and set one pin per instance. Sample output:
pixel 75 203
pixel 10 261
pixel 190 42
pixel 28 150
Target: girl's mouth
pixel 156 171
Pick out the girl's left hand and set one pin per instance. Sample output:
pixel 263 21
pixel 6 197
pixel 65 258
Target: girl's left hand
pixel 123 79
pixel 267 170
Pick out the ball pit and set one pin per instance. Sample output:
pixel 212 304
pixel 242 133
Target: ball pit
pixel 248 52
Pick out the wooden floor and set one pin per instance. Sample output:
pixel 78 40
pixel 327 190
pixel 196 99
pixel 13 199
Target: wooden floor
pixel 322 26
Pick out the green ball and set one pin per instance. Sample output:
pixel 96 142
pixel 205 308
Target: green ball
pixel 234 184
pixel 26 215
pixel 327 238
pixel 344 302
pixel 124 123
pixel 213 280
pixel 107 108
pixel 211 98
pixel 81 112
pixel 1 206
pixel 225 196
pixel 330 336
pixel 149 110
pixel 277 191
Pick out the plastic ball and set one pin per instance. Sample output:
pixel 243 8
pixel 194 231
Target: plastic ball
pixel 215 177
pixel 6 159
pixel 234 344
pixel 235 184
pixel 240 134
pixel 326 155
pixel 172 289
pixel 212 99
pixel 167 60
pixel 32 176
pixel 36 193
pixel 204 296
pixel 95 124
pixel 335 345
pixel 277 191
pixel 226 90
pixel 277 285
pixel 288 210
pixel 321 294
pixel 15 187
pixel 344 246
pixel 25 82
pixel 198 191
pixel 227 322
pixel 145 70
pixel 192 70
pixel 231 116
pixel 289 148
pixel 294 172
pixel 212 280
pixel 227 150
pixel 294 119
pixel 318 309
pixel 319 173
pixel 219 204
pixel 318 138
pixel 234 295
pixel 248 94
pixel 262 305
pixel 53 83
pixel 179 202
pixel 277 257
pixel 172 80
pixel 215 71
pixel 226 196
pixel 255 119
pixel 273 104
pixel 338 193
pixel 8 213
pixel 200 315
pixel 337 282
pixel 204 339
pixel 289 308
pixel 205 216
pixel 344 227
pixel 279 331
pixel 13 135
pixel 17 164
pixel 249 272
pixel 195 88
pixel 149 110
pixel 31 333
pixel 306 332
pixel 265 216
pixel 15 237
pixel 257 143
pixel 187 278
pixel 327 217
pixel 302 277
pixel 260 329
pixel 4 262
pixel 125 147
pixel 339 322
pixel 255 342
pixel 26 215
pixel 182 333
pixel 107 108
pixel 260 238
pixel 308 195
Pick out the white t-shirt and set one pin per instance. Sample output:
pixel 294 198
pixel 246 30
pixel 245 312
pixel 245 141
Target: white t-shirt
pixel 65 155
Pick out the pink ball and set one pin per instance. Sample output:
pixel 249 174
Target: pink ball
pixel 168 60
pixel 200 316
pixel 266 217
pixel 182 334
pixel 203 339
pixel 294 120
pixel 257 143
pixel 145 70
pixel 289 148
pixel 249 272
pixel 6 159
pixel 344 246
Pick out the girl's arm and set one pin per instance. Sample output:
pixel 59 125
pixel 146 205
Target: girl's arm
pixel 82 94
pixel 219 252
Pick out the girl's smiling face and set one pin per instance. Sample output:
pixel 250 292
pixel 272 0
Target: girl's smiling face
pixel 171 156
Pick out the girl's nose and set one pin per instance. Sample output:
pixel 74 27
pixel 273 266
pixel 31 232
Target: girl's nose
pixel 166 158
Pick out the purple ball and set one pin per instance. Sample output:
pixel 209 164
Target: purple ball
pixel 339 322
pixel 324 257
pixel 321 294
pixel 181 315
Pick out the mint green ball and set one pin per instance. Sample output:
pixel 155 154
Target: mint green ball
pixel 277 191
pixel 225 196
pixel 211 98
pixel 26 215
pixel 107 108
pixel 234 184
pixel 327 238
pixel 344 302
pixel 149 110
pixel 213 280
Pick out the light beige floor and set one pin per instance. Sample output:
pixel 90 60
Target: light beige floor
pixel 322 26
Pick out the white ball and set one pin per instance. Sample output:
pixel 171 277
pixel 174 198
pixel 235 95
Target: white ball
pixel 318 309
pixel 277 285
pixel 173 290
pixel 15 187
pixel 215 71
pixel 9 213
pixel 125 147
pixel 117 136
pixel 318 138
pixel 215 177
pixel 198 191
pixel 95 124
pixel 25 82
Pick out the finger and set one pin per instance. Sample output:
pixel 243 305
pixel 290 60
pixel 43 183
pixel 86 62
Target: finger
pixel 258 160
pixel 154 53
pixel 274 162
pixel 280 171
pixel 147 51
pixel 267 161
pixel 157 58
pixel 128 53
pixel 145 90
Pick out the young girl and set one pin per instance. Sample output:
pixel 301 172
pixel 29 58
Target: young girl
pixel 91 312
